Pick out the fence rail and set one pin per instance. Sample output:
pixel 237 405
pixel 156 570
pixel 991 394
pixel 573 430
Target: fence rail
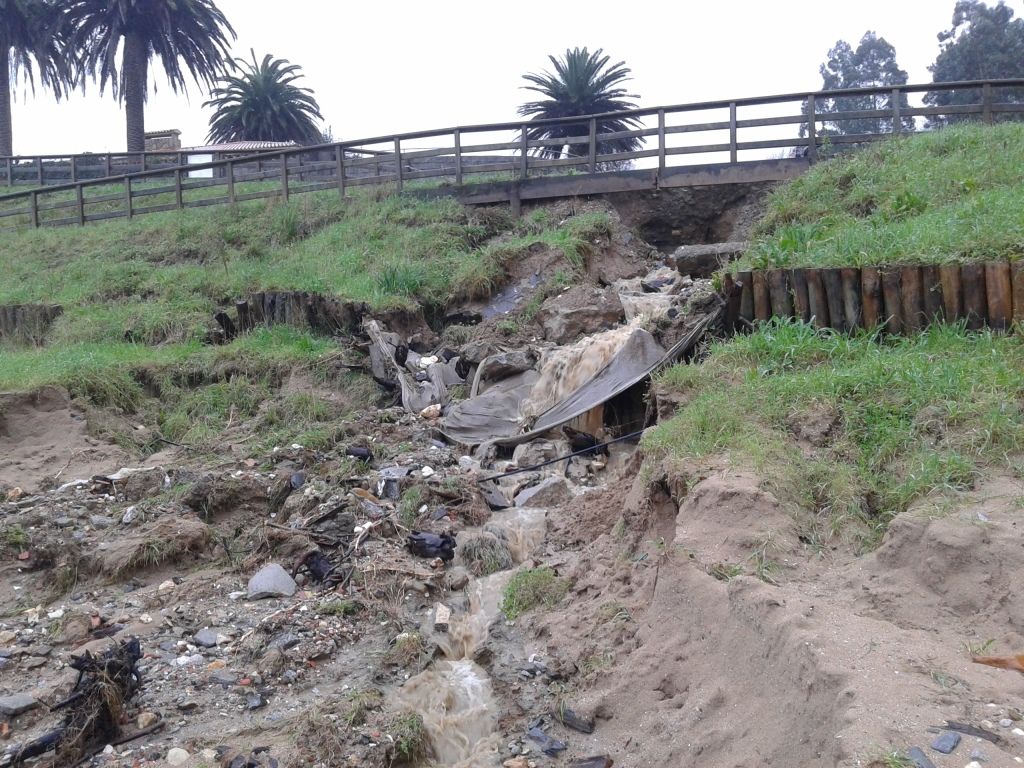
pixel 676 141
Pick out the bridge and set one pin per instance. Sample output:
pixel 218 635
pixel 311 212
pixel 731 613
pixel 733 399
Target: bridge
pixel 767 138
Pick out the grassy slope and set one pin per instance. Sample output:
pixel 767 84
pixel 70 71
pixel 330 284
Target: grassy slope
pixel 953 195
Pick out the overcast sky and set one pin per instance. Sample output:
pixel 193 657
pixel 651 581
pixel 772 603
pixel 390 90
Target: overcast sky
pixel 389 67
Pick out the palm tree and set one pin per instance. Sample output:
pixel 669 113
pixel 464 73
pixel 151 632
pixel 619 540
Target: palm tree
pixel 261 103
pixel 183 34
pixel 583 83
pixel 31 38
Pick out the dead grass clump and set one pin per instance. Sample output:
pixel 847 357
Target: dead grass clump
pixel 323 737
pixel 410 738
pixel 407 651
pixel 484 553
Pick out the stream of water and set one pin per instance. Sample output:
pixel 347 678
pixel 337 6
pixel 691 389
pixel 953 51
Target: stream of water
pixel 454 696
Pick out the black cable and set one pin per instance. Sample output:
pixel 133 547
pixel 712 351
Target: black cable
pixel 592 449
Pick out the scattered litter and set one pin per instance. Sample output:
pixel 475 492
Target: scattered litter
pixel 423 544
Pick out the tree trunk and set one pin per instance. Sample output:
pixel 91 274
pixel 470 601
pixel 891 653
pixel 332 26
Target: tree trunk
pixel 134 67
pixel 6 129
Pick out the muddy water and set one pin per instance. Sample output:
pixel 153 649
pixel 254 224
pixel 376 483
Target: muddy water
pixel 454 696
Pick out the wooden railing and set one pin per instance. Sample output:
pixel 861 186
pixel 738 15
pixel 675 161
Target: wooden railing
pixel 731 132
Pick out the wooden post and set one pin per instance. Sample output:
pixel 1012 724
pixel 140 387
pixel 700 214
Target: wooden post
pixel 986 103
pixel 661 141
pixel 229 172
pixel 80 203
pixel 733 149
pixel 398 164
pixel 458 157
pixel 931 288
pixel 999 292
pixel 177 189
pixel 39 170
pixel 339 169
pixel 801 305
pixel 952 294
pixel 10 171
pixel 33 204
pixel 778 290
pixel 871 301
pixel 892 299
pixel 1017 280
pixel 816 298
pixel 106 164
pixel 302 175
pixel 897 121
pixel 592 151
pixel 128 195
pixel 912 298
pixel 731 293
pixel 832 279
pixel 524 147
pixel 515 201
pixel 746 297
pixel 74 168
pixel 284 176
pixel 851 281
pixel 762 299
pixel 812 140
pixel 143 158
pixel 972 278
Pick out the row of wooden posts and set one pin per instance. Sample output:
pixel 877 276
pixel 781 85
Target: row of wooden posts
pixel 27 323
pixel 900 298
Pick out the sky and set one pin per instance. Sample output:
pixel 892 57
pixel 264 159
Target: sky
pixel 390 67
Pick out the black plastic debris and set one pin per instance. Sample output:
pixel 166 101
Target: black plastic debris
pixel 599 761
pixel 570 719
pixel 431 545
pixel 549 746
pixel 358 452
pixel 297 480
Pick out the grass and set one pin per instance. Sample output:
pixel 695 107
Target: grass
pixel 407 651
pixel 409 505
pixel 951 195
pixel 914 416
pixel 338 607
pixel 532 588
pixel 410 738
pixel 359 703
pixel 484 553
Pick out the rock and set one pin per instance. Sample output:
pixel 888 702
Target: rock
pixel 549 492
pixel 271 581
pixel 570 719
pixel 141 485
pixel 129 516
pixel 534 452
pixel 977 754
pixel 600 761
pixel 427 472
pixel 579 311
pixel 505 364
pixel 919 758
pixel 946 742
pixel 457 578
pixel 255 701
pixel 205 638
pixel 99 521
pixel 431 412
pixel 17 703
pixel 705 260
pixel 442 617
pixel 475 351
pixel 146 719
pixel 1006 723
pixel 177 756
pixel 222 677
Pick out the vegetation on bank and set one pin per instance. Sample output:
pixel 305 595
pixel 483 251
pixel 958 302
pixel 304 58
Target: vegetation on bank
pixel 955 194
pixel 890 419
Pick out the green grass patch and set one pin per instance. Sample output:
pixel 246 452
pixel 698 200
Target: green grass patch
pixel 956 194
pixel 532 588
pixel 913 415
pixel 409 505
pixel 410 738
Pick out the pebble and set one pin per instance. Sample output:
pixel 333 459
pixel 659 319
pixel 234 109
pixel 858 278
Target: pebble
pixel 146 719
pixel 129 516
pixel 1006 723
pixel 177 756
pixel 99 521
pixel 271 581
pixel 205 638
pixel 946 742
pixel 17 703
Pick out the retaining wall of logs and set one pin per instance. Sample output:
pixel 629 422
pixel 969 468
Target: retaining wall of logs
pixel 27 323
pixel 900 298
pixel 299 308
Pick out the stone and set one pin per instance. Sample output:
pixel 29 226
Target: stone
pixel 271 581
pixel 17 703
pixel 222 677
pixel 579 311
pixel 255 701
pixel 205 638
pixel 177 756
pixel 457 578
pixel 946 742
pixel 534 452
pixel 99 521
pixel 705 260
pixel 549 492
pixel 146 719
pixel 1006 723
pixel 919 758
pixel 442 617
pixel 129 516
pixel 505 364
pixel 978 755
pixel 431 412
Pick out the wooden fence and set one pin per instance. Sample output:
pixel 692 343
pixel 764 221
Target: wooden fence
pixel 728 132
pixel 898 298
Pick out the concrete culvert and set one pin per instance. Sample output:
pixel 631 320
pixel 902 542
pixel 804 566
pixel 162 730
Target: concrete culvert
pixel 483 553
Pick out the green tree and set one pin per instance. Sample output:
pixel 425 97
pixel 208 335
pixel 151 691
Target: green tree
pixel 31 40
pixel 583 83
pixel 185 35
pixel 870 65
pixel 984 43
pixel 260 102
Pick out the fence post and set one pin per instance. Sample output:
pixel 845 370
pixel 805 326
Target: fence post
pixel 177 189
pixel 10 172
pixel 80 200
pixel 812 139
pixel 986 103
pixel 524 147
pixel 229 170
pixel 34 208
pixel 144 156
pixel 339 168
pixel 298 162
pixel 733 148
pixel 592 157
pixel 39 170
pixel 458 157
pixel 284 176
pixel 106 164
pixel 398 164
pixel 661 141
pixel 74 168
pixel 128 195
pixel 897 121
